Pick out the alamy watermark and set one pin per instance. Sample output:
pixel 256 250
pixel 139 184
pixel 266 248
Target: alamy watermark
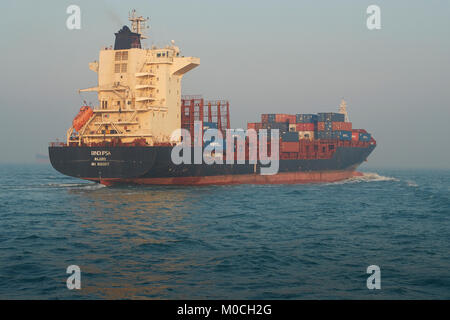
pixel 74 280
pixel 73 21
pixel 374 280
pixel 213 151
pixel 374 19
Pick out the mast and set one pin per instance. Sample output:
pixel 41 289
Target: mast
pixel 138 23
pixel 343 109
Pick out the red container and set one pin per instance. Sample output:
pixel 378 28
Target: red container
pixel 283 118
pixel 264 118
pixel 291 118
pixel 336 126
pixel 355 136
pixel 305 127
pixel 254 125
pixel 289 146
pixel 346 126
pixel 279 117
pixel 320 126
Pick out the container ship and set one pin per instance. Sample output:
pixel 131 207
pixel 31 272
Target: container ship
pixel 128 138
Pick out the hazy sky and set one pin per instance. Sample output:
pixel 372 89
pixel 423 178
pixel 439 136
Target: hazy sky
pixel 264 56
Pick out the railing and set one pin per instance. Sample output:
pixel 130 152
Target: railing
pixel 191 97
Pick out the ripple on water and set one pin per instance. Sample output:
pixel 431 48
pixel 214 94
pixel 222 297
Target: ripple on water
pixel 259 242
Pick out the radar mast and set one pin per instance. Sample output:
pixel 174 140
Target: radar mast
pixel 138 23
pixel 343 109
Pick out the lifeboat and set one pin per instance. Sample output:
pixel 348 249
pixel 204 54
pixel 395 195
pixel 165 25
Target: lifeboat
pixel 82 117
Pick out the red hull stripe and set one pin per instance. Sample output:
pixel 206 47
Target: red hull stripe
pixel 280 178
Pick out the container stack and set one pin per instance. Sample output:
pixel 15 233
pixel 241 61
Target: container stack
pixel 291 127
pixel 332 126
pixel 361 135
pixel 307 127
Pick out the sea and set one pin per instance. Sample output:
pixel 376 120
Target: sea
pixel 312 241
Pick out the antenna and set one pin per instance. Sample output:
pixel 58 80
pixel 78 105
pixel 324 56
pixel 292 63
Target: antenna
pixel 138 23
pixel 343 109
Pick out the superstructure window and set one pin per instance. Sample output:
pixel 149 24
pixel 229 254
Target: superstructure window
pixel 117 55
pixel 125 55
pixel 117 68
pixel 124 67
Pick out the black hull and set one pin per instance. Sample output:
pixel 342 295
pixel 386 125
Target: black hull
pixel 130 164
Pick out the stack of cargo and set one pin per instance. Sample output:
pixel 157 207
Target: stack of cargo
pixel 332 126
pixel 361 135
pixel 305 126
pixel 277 117
pixel 301 128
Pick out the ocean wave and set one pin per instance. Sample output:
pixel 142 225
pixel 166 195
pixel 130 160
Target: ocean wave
pixel 411 183
pixel 79 186
pixel 366 177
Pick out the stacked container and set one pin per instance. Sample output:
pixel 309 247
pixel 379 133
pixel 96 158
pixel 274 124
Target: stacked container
pixel 330 116
pixel 290 136
pixel 332 126
pixel 324 126
pixel 306 118
pixel 361 135
pixel 365 137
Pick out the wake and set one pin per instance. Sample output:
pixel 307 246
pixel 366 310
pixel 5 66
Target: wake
pixel 367 177
pixel 78 186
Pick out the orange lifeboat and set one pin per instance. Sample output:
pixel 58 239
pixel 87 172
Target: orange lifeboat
pixel 82 117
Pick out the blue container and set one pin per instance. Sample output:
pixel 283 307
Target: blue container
pixel 365 137
pixel 327 135
pixel 283 127
pixel 345 135
pixel 209 125
pixel 220 145
pixel 270 117
pixel 306 118
pixel 331 116
pixel 289 136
